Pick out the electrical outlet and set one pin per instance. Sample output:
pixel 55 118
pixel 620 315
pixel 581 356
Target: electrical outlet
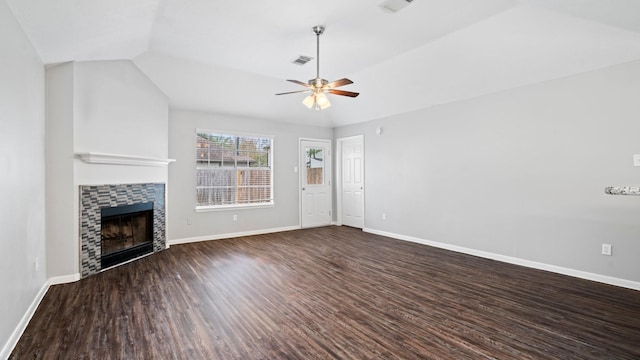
pixel 235 217
pixel 384 216
pixel 606 249
pixel 36 264
pixel 188 221
pixel 636 160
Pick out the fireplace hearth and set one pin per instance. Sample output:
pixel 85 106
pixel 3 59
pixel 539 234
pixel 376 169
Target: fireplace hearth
pixel 126 233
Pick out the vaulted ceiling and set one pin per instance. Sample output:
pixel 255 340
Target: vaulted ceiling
pixel 233 56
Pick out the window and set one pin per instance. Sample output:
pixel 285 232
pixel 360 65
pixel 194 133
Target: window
pixel 315 166
pixel 233 170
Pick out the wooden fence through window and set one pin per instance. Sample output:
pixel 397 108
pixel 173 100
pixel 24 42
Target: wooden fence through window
pixel 315 176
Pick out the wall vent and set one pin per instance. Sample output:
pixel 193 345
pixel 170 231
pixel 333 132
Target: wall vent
pixel 393 6
pixel 301 60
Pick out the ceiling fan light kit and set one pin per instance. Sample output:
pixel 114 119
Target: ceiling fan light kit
pixel 318 101
pixel 319 87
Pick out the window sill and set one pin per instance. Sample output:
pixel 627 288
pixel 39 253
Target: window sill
pixel 232 207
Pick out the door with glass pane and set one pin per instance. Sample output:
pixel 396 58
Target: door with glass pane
pixel 315 180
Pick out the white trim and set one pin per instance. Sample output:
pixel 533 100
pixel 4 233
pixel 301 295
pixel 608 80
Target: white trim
pixel 22 325
pixel 338 181
pixel 64 279
pixel 233 207
pixel 232 235
pixel 232 133
pixel 513 260
pixel 115 159
pixel 313 139
pixel 128 261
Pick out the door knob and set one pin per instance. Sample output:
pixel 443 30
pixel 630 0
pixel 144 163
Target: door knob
pixel 303 189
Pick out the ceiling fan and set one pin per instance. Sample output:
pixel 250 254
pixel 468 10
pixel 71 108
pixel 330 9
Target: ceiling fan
pixel 319 87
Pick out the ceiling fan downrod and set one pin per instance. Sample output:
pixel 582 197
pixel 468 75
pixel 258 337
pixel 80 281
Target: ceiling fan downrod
pixel 318 30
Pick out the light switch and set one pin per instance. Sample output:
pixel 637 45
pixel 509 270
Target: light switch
pixel 636 160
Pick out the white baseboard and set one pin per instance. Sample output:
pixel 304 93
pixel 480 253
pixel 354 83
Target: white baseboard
pixel 64 279
pixel 22 325
pixel 513 260
pixel 231 235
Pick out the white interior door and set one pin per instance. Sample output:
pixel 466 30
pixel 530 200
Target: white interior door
pixel 352 182
pixel 315 180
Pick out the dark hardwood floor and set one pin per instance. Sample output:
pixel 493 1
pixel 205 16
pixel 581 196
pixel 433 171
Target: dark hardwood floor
pixel 330 293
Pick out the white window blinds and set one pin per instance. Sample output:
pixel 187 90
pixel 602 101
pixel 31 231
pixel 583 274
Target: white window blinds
pixel 233 170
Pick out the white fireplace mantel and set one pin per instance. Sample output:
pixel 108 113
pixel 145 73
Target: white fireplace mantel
pixel 114 159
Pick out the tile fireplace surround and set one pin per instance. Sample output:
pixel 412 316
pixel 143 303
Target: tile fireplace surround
pixel 95 197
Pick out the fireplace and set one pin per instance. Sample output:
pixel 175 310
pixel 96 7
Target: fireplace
pixel 126 233
pixel 98 201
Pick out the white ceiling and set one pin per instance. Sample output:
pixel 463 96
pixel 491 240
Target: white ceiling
pixel 233 56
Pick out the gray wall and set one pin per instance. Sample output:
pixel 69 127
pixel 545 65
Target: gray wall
pixel 185 223
pixel 61 231
pixel 22 183
pixel 519 173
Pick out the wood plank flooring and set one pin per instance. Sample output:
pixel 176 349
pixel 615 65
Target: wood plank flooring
pixel 330 293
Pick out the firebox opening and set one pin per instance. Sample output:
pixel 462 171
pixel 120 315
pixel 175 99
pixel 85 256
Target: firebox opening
pixel 126 233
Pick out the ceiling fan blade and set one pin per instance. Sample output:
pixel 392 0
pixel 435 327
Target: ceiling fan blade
pixel 338 83
pixel 300 83
pixel 343 93
pixel 294 92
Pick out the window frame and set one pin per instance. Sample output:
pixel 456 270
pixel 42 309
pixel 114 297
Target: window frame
pixel 236 135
